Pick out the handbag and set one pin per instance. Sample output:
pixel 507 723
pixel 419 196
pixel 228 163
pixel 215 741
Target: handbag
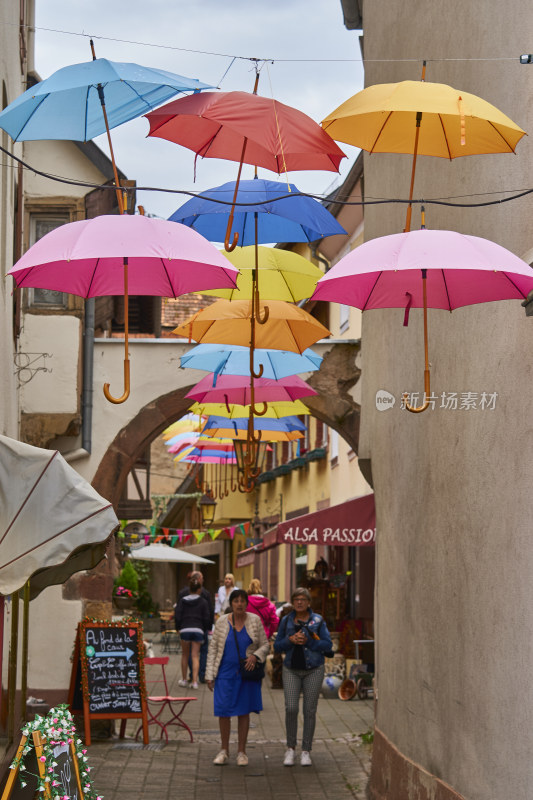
pixel 258 672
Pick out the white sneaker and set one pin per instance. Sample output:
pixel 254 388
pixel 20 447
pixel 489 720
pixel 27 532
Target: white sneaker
pixel 242 760
pixel 194 685
pixel 305 759
pixel 221 758
pixel 183 683
pixel 288 761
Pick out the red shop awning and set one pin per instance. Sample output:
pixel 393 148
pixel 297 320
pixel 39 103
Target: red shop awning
pixel 247 557
pixel 350 524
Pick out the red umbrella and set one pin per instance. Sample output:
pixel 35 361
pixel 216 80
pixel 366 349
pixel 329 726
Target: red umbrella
pixel 243 127
pixel 236 389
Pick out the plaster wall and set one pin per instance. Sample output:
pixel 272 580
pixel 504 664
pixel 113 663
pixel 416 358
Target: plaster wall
pixel 58 158
pixel 56 390
pixel 454 555
pixel 45 640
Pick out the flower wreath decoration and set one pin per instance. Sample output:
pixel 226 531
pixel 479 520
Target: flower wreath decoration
pixel 57 728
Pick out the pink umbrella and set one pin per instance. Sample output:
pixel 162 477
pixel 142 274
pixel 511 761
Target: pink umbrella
pixel 236 389
pixel 109 255
pixel 202 444
pixel 421 269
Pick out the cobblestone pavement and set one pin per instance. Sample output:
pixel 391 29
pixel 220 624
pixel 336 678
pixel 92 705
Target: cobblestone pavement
pixel 125 770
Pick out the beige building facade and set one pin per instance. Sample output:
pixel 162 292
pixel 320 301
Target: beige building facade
pixel 454 554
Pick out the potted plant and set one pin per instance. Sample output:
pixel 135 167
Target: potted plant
pixel 126 587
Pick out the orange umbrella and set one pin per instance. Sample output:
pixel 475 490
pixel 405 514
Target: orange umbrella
pixel 228 322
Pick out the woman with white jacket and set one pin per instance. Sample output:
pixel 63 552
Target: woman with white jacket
pixel 237 636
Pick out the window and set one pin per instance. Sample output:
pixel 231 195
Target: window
pixel 344 317
pixel 40 225
pixel 333 447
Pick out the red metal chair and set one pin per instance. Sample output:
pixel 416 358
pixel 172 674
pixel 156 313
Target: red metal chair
pixel 163 701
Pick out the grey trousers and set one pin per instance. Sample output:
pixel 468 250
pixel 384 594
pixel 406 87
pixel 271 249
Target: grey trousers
pixel 296 681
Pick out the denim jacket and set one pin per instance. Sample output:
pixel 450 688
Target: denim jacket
pixel 314 649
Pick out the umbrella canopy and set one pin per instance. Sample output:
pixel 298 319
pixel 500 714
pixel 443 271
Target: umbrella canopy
pixel 294 218
pixel 214 456
pixel 164 553
pixel 287 328
pixel 86 258
pixel 461 270
pixel 179 438
pixel 236 389
pixel 218 124
pixel 187 423
pixel 220 443
pixel 283 274
pixel 235 360
pixel 67 105
pixel 52 522
pixel 260 424
pixel 382 119
pixel 275 410
pixel 435 269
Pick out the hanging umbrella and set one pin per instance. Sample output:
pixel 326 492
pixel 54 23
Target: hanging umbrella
pixel 164 553
pixel 285 275
pixel 81 101
pixel 189 422
pixel 288 327
pixel 294 218
pixel 283 424
pixel 430 119
pixel 243 127
pixel 275 410
pixel 214 456
pixel 421 269
pixel 109 255
pixel 187 436
pixel 52 522
pixel 236 389
pixel 235 360
pixel 200 443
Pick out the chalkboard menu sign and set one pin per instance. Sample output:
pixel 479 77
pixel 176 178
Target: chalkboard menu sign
pixel 108 661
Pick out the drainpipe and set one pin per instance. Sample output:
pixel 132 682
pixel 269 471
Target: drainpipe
pixel 87 394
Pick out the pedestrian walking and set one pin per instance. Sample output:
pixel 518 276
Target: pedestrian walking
pixel 222 596
pixel 193 620
pixel 197 575
pixel 238 641
pixel 304 638
pixel 263 607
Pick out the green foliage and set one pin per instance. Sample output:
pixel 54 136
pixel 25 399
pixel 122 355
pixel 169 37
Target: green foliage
pixel 146 605
pixel 128 578
pixel 368 737
pixel 143 570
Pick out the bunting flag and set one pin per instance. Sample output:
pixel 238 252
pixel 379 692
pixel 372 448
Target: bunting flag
pixel 199 535
pixel 173 540
pixel 214 534
pixel 232 532
pixel 172 535
pixel 146 538
pixel 153 529
pixel 187 537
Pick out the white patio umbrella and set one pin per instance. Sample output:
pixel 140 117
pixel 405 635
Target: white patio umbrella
pixel 52 522
pixel 162 552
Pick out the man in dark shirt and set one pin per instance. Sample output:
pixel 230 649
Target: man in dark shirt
pixel 203 650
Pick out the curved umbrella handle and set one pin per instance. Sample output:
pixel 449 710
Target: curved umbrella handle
pixel 425 404
pixel 257 413
pixel 260 373
pixel 229 248
pixel 123 397
pixel 233 486
pixel 245 484
pixel 427 388
pixel 262 320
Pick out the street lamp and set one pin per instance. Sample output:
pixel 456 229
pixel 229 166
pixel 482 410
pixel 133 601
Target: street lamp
pixel 249 456
pixel 207 510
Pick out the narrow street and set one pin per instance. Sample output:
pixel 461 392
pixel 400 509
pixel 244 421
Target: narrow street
pixel 125 770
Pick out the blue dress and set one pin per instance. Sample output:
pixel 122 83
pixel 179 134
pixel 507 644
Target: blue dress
pixel 233 696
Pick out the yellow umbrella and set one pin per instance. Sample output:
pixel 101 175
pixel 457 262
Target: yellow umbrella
pixel 224 322
pixel 275 410
pixel 430 119
pixel 284 275
pixel 184 425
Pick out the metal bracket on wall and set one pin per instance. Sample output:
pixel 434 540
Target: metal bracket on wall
pixel 25 365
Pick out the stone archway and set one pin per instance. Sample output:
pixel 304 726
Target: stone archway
pixel 334 405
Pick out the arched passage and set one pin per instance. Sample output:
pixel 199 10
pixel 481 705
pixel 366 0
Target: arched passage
pixel 334 404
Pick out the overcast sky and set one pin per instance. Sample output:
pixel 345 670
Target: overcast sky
pixel 304 30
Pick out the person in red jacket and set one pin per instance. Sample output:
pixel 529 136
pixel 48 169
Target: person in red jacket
pixel 263 607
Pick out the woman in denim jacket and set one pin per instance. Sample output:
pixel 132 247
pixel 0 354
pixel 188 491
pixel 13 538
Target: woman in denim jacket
pixel 304 638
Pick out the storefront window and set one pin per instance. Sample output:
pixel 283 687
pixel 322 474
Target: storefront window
pixel 40 225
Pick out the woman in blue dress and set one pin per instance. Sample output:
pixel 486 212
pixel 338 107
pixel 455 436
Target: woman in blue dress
pixel 237 634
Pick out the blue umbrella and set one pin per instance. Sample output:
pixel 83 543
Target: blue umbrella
pixel 235 360
pixel 68 104
pixel 295 218
pixel 260 424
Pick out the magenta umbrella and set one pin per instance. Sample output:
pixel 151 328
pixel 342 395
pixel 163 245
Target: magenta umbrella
pixel 236 389
pixel 111 255
pixel 421 269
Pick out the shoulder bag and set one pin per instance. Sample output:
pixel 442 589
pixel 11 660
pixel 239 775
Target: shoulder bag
pixel 258 672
